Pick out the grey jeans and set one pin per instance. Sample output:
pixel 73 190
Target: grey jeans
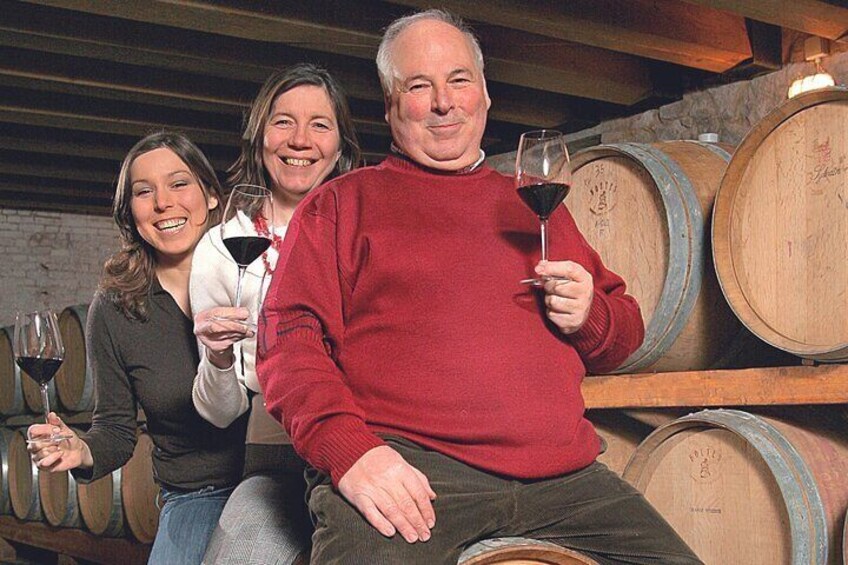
pixel 591 510
pixel 265 522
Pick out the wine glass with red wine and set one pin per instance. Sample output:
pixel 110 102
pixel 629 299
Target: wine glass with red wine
pixel 247 228
pixel 39 353
pixel 543 179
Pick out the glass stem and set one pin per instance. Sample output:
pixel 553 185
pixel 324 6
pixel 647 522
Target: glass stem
pixel 238 285
pixel 45 400
pixel 543 223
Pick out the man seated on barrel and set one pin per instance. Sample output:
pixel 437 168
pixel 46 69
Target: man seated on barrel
pixel 436 398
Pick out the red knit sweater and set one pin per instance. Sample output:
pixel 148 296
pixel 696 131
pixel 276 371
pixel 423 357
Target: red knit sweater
pixel 396 309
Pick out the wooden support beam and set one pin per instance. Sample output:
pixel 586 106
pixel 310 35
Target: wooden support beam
pixel 65 32
pixel 824 384
pixel 122 126
pixel 74 543
pixel 331 28
pixel 23 189
pixel 666 30
pixel 816 17
pixel 68 147
pixel 64 171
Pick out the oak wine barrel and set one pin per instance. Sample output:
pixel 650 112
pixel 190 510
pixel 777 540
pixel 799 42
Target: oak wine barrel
pixel 74 381
pixel 139 492
pixel 521 551
pixel 5 466
pixel 57 492
pixel 11 394
pixel 780 227
pixel 845 541
pixel 100 505
pixel 645 209
pixel 23 479
pixel 620 436
pixel 125 500
pixel 745 488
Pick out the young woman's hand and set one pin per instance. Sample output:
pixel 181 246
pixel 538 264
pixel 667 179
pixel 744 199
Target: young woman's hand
pixel 55 456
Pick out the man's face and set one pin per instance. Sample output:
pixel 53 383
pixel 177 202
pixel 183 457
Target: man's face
pixel 438 104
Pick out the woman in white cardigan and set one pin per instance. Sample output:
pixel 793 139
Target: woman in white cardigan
pixel 298 134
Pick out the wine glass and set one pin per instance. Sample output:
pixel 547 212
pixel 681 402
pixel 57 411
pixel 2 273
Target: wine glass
pixel 247 229
pixel 543 179
pixel 39 353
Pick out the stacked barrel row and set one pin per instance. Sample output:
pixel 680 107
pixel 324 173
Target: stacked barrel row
pixel 738 257
pixel 764 487
pixel 717 243
pixel 119 504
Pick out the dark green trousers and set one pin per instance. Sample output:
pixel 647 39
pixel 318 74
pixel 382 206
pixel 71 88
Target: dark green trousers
pixel 591 510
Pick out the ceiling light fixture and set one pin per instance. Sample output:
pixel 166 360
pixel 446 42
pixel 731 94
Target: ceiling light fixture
pixel 815 49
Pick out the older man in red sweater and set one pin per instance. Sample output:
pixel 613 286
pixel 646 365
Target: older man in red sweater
pixel 433 395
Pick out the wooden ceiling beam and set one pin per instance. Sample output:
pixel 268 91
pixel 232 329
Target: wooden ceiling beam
pixel 665 30
pixel 526 108
pixel 70 206
pixel 66 32
pixel 57 147
pixel 816 17
pixel 82 174
pixel 22 188
pixel 586 74
pixel 39 117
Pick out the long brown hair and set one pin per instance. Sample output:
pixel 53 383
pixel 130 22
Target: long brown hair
pixel 248 168
pixel 128 274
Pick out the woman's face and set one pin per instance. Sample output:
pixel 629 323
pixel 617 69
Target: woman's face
pixel 301 142
pixel 168 205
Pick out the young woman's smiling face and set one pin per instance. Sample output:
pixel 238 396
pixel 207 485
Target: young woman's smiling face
pixel 169 206
pixel 301 142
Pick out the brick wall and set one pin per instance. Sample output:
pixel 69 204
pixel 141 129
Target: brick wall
pixel 50 259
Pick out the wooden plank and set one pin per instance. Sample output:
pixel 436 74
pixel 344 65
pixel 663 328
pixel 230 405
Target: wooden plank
pixel 74 543
pixel 666 30
pixel 64 172
pixel 52 206
pixel 123 126
pixel 123 41
pixel 816 17
pixel 45 187
pixel 824 384
pixel 75 148
pixel 328 27
pixel 65 32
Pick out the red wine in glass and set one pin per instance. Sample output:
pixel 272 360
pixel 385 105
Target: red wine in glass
pixel 40 370
pixel 39 352
pixel 247 229
pixel 542 179
pixel 246 249
pixel 543 198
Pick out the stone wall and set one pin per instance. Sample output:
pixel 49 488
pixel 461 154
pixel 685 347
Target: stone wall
pixel 50 259
pixel 729 110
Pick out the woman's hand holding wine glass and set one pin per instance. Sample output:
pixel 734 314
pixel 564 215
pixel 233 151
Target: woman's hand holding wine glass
pixel 219 328
pixel 57 456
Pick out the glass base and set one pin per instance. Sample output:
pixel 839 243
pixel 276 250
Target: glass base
pixel 54 438
pixel 246 323
pixel 540 281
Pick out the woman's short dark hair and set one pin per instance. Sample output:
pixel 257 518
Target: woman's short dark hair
pixel 248 168
pixel 128 274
